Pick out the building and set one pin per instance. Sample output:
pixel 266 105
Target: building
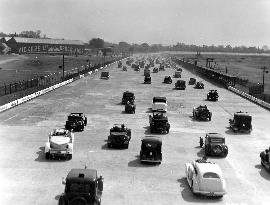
pixel 45 46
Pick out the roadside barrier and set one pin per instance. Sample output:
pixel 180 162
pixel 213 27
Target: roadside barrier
pixel 250 97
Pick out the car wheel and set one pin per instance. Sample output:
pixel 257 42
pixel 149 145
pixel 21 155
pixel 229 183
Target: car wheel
pixel 62 201
pixel 126 146
pixel 262 163
pixel 69 156
pixel 78 201
pixel 47 155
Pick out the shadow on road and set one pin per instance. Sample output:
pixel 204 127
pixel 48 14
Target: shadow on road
pixel 263 172
pixel 41 157
pixel 137 163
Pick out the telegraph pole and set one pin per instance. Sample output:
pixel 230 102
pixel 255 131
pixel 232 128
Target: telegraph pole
pixel 265 70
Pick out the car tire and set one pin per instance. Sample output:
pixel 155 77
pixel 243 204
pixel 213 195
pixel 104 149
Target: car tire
pixel 69 156
pixel 126 146
pixel 78 201
pixel 62 201
pixel 262 163
pixel 47 155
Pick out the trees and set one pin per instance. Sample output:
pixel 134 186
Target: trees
pixel 30 34
pixel 96 43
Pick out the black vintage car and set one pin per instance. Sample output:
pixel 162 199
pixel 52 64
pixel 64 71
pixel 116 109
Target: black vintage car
pixel 159 123
pixel 151 149
pixel 241 122
pixel 82 186
pixel 130 108
pixel 105 75
pixel 147 79
pixel 192 81
pixel 128 97
pixel 155 70
pixel 199 85
pixel 180 85
pixel 265 159
pixel 214 145
pixel 202 113
pixel 212 95
pixel 119 136
pixel 167 80
pixel 76 122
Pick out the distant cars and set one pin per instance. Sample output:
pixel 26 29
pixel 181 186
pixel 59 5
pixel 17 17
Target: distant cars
pixel 60 144
pixel 159 123
pixel 214 145
pixel 205 178
pixel 212 95
pixel 241 122
pixel 128 97
pixel 155 70
pixel 151 149
pixel 180 85
pixel 167 80
pixel 120 64
pixel 105 75
pixel 119 136
pixel 82 186
pixel 192 81
pixel 265 159
pixel 124 68
pixel 159 104
pixel 177 74
pixel 76 122
pixel 199 85
pixel 130 108
pixel 202 113
pixel 147 79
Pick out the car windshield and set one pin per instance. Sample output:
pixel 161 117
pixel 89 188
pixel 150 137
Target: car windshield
pixel 128 95
pixel 162 100
pixel 74 118
pixel 104 74
pixel 211 175
pixel 217 140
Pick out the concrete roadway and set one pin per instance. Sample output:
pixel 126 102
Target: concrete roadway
pixel 27 178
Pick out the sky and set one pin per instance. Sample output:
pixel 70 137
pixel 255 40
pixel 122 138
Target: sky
pixel 199 22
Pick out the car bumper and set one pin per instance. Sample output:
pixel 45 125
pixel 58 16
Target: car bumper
pixel 150 160
pixel 207 193
pixel 60 152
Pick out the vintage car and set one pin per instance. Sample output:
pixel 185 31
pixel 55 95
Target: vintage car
pixel 130 107
pixel 179 69
pixel 199 85
pixel 192 81
pixel 265 159
pixel 167 80
pixel 119 64
pixel 105 75
pixel 151 149
pixel 177 74
pixel 146 72
pixel 128 97
pixel 76 122
pixel 241 122
pixel 161 67
pixel 214 145
pixel 180 85
pixel 155 70
pixel 159 104
pixel 82 186
pixel 205 178
pixel 202 113
pixel 59 144
pixel 119 136
pixel 212 95
pixel 124 68
pixel 147 79
pixel 159 123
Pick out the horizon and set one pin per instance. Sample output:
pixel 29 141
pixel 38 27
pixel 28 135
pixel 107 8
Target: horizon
pixel 211 22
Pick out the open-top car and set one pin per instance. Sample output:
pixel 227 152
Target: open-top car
pixel 159 123
pixel 119 136
pixel 199 85
pixel 212 95
pixel 151 149
pixel 265 159
pixel 167 80
pixel 159 104
pixel 105 75
pixel 202 113
pixel 180 85
pixel 192 81
pixel 241 122
pixel 214 145
pixel 76 122
pixel 177 74
pixel 205 178
pixel 82 187
pixel 59 144
pixel 147 79
pixel 128 97
pixel 130 108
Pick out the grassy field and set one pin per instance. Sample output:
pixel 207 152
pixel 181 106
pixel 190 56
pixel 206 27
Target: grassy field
pixel 243 66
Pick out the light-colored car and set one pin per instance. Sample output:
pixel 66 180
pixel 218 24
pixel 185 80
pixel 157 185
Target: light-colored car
pixel 205 178
pixel 59 144
pixel 159 104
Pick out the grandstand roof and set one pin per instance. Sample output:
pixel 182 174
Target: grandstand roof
pixel 48 41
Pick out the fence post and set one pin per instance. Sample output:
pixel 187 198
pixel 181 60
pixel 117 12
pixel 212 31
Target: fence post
pixel 10 86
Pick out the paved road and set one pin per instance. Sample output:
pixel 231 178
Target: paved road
pixel 27 178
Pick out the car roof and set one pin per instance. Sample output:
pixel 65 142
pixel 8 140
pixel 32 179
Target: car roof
pixel 152 139
pixel 241 114
pixel 88 174
pixel 128 92
pixel 208 167
pixel 215 135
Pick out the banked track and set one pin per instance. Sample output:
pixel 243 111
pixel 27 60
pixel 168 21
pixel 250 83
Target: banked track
pixel 27 178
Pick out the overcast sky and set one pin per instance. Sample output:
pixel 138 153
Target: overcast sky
pixel 219 22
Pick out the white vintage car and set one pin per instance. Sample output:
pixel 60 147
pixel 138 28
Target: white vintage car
pixel 159 104
pixel 205 178
pixel 59 144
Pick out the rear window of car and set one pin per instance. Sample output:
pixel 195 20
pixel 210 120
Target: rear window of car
pixel 210 175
